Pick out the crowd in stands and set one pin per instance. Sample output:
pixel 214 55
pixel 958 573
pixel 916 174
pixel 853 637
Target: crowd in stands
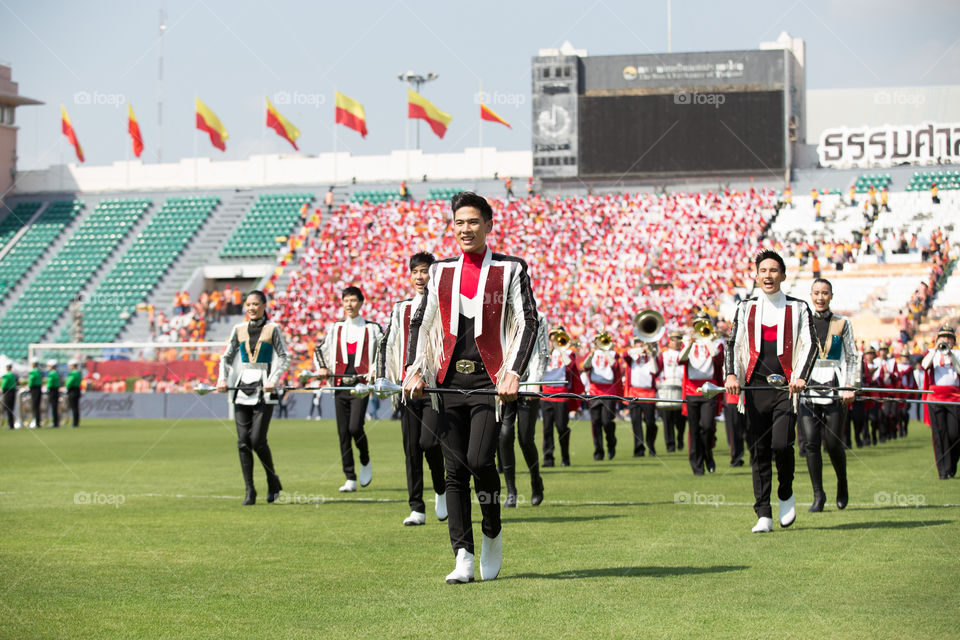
pixel 594 261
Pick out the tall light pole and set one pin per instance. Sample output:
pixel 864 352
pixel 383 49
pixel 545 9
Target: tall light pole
pixel 417 81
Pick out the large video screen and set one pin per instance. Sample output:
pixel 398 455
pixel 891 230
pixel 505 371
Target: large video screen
pixel 681 133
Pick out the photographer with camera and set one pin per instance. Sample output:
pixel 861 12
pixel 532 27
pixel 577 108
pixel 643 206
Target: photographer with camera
pixel 942 366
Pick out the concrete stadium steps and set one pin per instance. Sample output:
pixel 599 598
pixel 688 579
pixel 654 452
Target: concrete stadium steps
pixel 52 237
pixel 203 250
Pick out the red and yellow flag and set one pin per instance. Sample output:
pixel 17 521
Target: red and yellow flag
pixel 282 126
pixel 420 107
pixel 133 127
pixel 68 131
pixel 486 113
pixel 350 113
pixel 208 121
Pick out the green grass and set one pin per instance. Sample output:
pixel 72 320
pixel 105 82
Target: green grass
pixel 609 554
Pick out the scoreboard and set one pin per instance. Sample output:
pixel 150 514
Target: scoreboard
pixel 667 115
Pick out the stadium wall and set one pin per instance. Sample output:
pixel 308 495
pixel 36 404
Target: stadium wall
pixel 276 170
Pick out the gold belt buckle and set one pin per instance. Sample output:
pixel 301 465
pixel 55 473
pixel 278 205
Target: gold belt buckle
pixel 466 366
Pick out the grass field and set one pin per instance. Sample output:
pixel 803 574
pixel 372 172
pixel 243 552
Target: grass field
pixel 622 548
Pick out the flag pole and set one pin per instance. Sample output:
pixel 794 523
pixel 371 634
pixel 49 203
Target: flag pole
pixel 480 134
pixel 196 160
pixel 334 140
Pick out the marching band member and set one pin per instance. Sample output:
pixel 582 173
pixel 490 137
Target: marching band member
pixel 561 367
pixel 907 381
pixel 602 365
pixel 476 326
pixel 253 361
pixel 822 415
pixel 888 376
pixel 942 365
pixel 519 421
pixel 703 360
pixel 772 335
pixel 418 420
pixel 870 377
pixel 641 382
pixel 350 349
pixel 671 377
pixel 9 390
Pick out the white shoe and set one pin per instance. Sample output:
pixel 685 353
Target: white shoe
pixel 464 569
pixel 764 525
pixel 34 425
pixel 414 519
pixel 366 474
pixel 440 506
pixel 349 486
pixel 788 512
pixel 491 557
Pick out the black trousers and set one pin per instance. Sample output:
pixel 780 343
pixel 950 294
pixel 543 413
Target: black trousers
pixel 703 432
pixel 823 424
pixel 556 414
pixel 351 412
pixel 253 421
pixel 519 418
pixel 770 436
pixel 734 422
pixel 945 429
pixel 640 413
pixel 858 416
pixel 36 401
pixel 889 417
pixel 53 399
pixel 674 423
pixel 469 434
pixel 418 425
pixel 9 403
pixel 603 416
pixel 73 401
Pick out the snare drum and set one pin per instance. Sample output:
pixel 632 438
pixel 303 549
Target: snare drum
pixel 669 391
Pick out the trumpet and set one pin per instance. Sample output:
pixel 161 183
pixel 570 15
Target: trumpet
pixel 650 325
pixel 704 329
pixel 603 340
pixel 943 346
pixel 560 336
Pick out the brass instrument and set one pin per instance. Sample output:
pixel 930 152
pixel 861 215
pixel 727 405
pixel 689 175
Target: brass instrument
pixel 560 336
pixel 704 329
pixel 603 340
pixel 650 325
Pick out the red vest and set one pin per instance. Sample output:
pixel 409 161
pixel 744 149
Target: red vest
pixel 362 365
pixel 786 358
pixel 488 342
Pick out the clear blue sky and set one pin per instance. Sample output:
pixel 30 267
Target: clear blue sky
pixel 231 54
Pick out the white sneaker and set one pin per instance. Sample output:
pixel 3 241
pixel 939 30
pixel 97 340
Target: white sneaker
pixel 34 425
pixel 491 557
pixel 366 474
pixel 464 569
pixel 788 512
pixel 349 486
pixel 414 519
pixel 764 525
pixel 440 506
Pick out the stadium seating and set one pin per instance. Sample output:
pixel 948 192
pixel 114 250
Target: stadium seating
pixel 442 194
pixel 878 181
pixel 35 242
pixel 945 180
pixel 272 216
pixel 58 284
pixel 138 271
pixel 14 221
pixel 375 197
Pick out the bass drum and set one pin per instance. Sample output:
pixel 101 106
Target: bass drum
pixel 669 391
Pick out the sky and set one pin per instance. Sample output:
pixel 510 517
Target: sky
pixel 97 57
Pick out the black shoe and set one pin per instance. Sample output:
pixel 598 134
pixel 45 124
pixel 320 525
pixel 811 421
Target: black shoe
pixel 679 447
pixel 711 466
pixel 598 457
pixel 251 497
pixel 737 463
pixel 547 463
pixel 536 496
pixel 819 499
pixel 842 496
pixel 511 501
pixel 565 463
pixel 653 452
pixel 610 454
pixel 671 449
pixel 639 454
